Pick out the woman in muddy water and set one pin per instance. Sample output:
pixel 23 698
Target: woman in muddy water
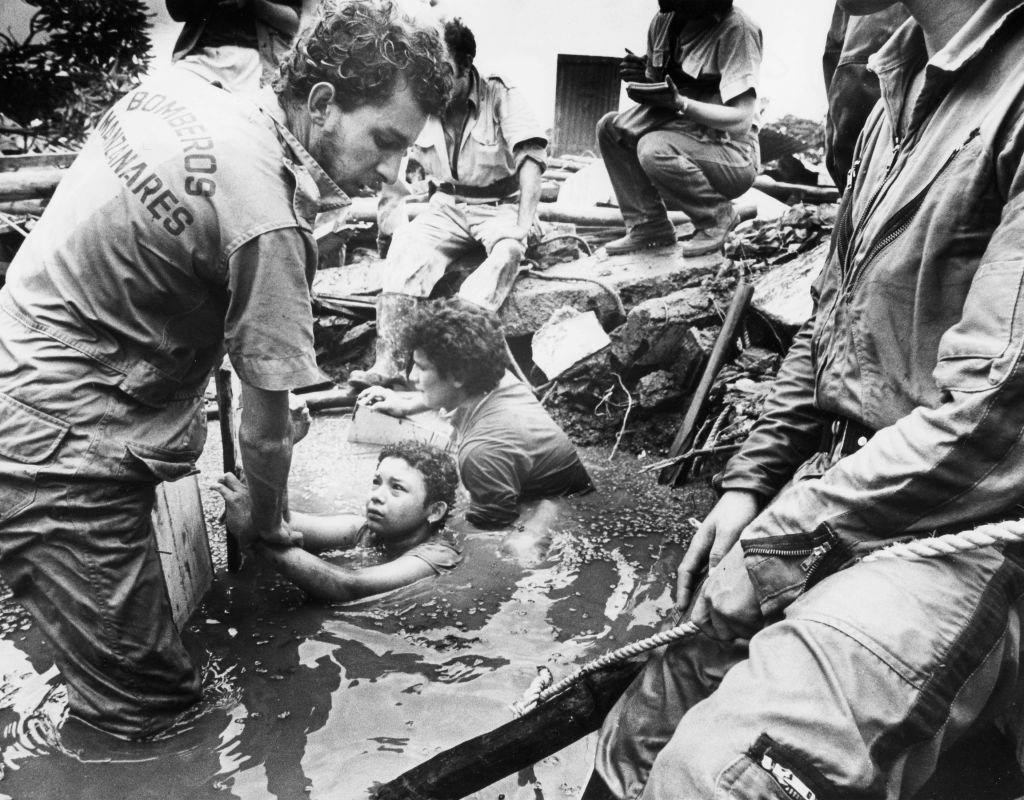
pixel 404 522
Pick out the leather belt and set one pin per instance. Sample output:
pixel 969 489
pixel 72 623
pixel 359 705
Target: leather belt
pixel 843 436
pixel 495 191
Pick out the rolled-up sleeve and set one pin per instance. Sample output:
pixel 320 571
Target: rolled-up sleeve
pixel 268 329
pixel 739 55
pixel 519 125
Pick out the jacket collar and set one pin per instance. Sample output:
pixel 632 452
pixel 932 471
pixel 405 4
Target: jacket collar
pixel 905 53
pixel 330 194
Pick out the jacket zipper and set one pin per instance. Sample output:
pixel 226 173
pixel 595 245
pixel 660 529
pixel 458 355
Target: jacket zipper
pixel 893 229
pixel 901 220
pixel 790 783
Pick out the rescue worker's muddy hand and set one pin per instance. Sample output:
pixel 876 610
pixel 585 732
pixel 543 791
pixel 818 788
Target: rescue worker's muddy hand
pixel 300 417
pixel 238 515
pixel 717 534
pixel 632 68
pixel 726 606
pixel 494 230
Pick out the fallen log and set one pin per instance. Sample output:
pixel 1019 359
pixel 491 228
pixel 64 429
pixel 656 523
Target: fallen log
pixel 479 762
pixel 364 209
pixel 29 184
pixel 784 191
pixel 21 208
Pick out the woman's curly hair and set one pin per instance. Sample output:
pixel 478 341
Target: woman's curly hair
pixel 440 476
pixel 366 49
pixel 463 341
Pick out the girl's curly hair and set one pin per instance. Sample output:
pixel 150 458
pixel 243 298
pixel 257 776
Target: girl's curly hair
pixel 463 341
pixel 365 49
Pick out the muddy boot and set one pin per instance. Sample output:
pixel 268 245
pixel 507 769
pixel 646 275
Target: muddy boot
pixel 711 238
pixel 642 239
pixel 389 366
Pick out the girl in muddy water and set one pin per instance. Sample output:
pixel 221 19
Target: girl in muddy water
pixel 404 521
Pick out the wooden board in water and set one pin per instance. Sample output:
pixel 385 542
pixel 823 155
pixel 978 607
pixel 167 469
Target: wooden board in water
pixel 184 547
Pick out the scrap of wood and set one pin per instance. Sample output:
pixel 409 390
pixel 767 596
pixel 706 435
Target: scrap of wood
pixel 479 762
pixel 183 544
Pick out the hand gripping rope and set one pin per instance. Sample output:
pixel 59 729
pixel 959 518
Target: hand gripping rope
pixel 988 535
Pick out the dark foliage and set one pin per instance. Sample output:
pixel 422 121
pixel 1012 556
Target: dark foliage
pixel 77 59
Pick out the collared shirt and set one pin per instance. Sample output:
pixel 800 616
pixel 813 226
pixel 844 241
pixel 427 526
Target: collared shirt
pixel 500 133
pixel 184 226
pixel 509 449
pixel 720 61
pixel 918 327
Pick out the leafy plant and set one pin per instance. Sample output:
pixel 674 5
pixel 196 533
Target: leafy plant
pixel 78 57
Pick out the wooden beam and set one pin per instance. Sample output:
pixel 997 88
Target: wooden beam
pixel 226 411
pixel 30 183
pixel 698 403
pixel 183 544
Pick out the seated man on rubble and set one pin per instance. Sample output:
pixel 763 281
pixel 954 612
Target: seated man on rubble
pixel 485 155
pixel 692 147
pixel 509 448
pixel 404 525
pixel 897 414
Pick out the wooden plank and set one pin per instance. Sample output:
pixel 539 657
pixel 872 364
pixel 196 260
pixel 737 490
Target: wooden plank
pixel 688 429
pixel 181 538
pixel 227 415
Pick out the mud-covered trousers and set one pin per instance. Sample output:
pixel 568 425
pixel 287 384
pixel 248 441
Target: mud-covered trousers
pixel 78 471
pixel 680 166
pixel 856 692
pixel 424 249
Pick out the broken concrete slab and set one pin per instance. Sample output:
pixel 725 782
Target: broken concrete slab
pixel 373 427
pixel 659 333
pixel 567 338
pixel 783 295
pixel 591 284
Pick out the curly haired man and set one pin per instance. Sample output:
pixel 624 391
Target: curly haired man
pixel 184 228
pixel 509 448
pixel 402 528
pixel 485 154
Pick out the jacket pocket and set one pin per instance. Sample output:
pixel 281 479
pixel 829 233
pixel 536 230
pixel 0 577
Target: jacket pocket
pixel 27 437
pixel 781 568
pixel 979 351
pixel 147 463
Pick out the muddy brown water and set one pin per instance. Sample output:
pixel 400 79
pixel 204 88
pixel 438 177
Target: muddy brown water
pixel 306 700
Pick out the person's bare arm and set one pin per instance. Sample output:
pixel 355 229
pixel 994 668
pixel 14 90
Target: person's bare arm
pixel 266 444
pixel 392 403
pixel 529 193
pixel 333 583
pixel 326 532
pixel 735 116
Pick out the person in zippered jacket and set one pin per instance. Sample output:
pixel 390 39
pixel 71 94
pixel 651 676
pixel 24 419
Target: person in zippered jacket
pixel 898 413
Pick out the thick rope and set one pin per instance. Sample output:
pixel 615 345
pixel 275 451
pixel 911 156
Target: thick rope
pixel 625 652
pixel 987 535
